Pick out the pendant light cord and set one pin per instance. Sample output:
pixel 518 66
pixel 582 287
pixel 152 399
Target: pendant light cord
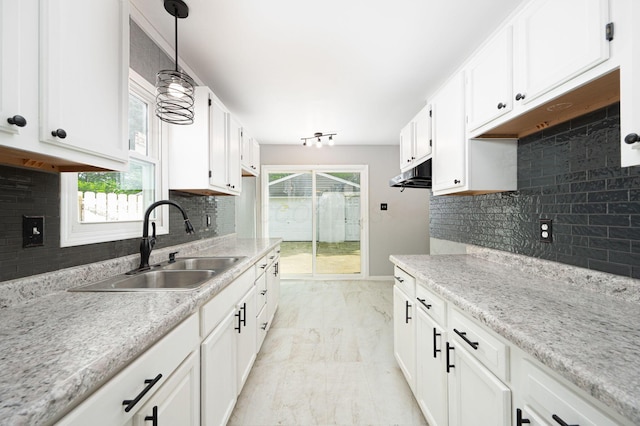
pixel 175 9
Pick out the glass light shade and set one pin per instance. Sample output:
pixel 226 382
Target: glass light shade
pixel 174 97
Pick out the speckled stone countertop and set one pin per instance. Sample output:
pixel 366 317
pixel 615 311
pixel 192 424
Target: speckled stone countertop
pixel 583 324
pixel 56 347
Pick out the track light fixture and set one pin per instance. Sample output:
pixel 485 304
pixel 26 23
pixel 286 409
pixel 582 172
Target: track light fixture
pixel 318 137
pixel 174 89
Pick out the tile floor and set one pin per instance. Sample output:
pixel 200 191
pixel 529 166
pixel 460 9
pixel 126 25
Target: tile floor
pixel 328 360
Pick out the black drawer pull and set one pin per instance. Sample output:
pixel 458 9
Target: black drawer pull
pixel 407 306
pixel 449 365
pixel 435 341
pixel 424 302
pixel 463 334
pixel 153 417
pixel 400 280
pixel 631 138
pixel 264 325
pixel 560 421
pixel 17 120
pixel 519 419
pixel 130 403
pixel 263 292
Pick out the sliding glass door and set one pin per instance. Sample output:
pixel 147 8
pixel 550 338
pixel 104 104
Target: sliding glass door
pixel 319 213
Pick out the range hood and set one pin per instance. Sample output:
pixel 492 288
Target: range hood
pixel 417 177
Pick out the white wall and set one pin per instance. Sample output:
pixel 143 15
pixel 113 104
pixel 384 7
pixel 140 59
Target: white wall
pixel 403 228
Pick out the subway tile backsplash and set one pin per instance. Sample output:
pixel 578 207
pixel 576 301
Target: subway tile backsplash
pixel 571 174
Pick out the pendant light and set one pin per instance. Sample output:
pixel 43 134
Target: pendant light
pixel 174 89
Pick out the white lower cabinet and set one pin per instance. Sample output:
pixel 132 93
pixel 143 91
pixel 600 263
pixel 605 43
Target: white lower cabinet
pixel 246 336
pixel 431 376
pixel 466 374
pixel 219 390
pixel 476 396
pixel 159 377
pixel 178 401
pixel 404 338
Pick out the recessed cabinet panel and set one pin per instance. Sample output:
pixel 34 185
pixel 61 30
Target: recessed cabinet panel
pixel 431 374
pixel 489 81
pixel 630 88
pixel 404 338
pixel 476 396
pixel 415 140
pixel 556 41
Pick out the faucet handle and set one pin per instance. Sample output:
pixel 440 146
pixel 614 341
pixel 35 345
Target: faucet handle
pixel 172 256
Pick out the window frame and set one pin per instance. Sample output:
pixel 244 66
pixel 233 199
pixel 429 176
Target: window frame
pixel 75 233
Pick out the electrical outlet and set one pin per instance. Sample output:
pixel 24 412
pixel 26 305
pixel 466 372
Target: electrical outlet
pixel 32 231
pixel 545 229
pixel 208 220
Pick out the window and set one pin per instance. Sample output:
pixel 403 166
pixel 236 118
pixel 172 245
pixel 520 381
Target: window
pixel 108 206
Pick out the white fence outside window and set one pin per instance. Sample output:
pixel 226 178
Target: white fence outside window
pixel 102 207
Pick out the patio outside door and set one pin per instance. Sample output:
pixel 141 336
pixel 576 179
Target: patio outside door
pixel 318 212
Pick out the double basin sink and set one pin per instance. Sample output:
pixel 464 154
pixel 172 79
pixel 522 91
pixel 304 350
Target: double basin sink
pixel 187 273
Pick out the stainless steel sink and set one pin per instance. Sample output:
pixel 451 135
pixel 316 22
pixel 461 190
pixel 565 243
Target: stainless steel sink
pixel 152 281
pixel 217 264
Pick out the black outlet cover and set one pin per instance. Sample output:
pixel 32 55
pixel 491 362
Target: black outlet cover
pixel 383 206
pixel 32 231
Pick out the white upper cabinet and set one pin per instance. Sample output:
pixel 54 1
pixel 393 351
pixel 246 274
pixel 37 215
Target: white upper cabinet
pixel 556 41
pixel 489 83
pixel 449 152
pixel 415 140
pixel 250 157
pixel 629 83
pixel 204 158
pixel 64 69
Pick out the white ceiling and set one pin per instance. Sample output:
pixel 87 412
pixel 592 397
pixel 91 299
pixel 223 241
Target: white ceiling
pixel 361 69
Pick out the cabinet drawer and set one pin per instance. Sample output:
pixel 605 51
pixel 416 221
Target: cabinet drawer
pixel 405 282
pixel 261 265
pixel 547 398
pixel 432 304
pixel 105 406
pixel 485 347
pixel 214 311
pixel 263 326
pixel 261 288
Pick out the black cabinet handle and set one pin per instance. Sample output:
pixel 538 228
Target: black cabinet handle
pixel 456 181
pixel 400 280
pixel 501 105
pixel 17 120
pixel 435 341
pixel 449 365
pixel 263 266
pixel 463 334
pixel 520 96
pixel 423 301
pixel 407 306
pixel 241 320
pixel 153 417
pixel 130 403
pixel 264 325
pixel 276 269
pixel 263 292
pixel 519 419
pixel 59 133
pixel 560 421
pixel 631 138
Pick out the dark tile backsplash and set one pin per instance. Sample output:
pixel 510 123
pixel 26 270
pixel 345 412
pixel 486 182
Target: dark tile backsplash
pixel 34 193
pixel 571 174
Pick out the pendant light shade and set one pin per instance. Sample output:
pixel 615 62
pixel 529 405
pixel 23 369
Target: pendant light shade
pixel 175 89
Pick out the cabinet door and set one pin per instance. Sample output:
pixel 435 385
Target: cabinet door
pixel 18 70
pixel 219 120
pixel 489 81
pixel 557 40
pixel 218 373
pixel 234 170
pixel 476 396
pixel 431 372
pixel 630 89
pixel 406 146
pixel 245 336
pixel 177 402
pixel 422 130
pixel 449 144
pixel 84 68
pixel 404 339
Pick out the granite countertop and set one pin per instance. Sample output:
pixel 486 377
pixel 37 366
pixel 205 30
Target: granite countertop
pixel 58 347
pixel 583 324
